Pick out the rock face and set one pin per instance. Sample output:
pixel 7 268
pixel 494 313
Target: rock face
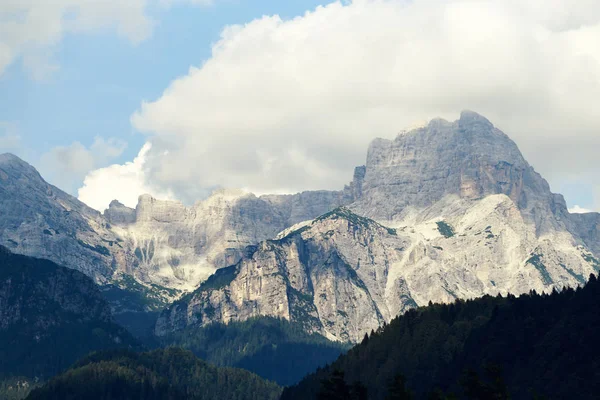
pixel 469 158
pixel 343 275
pixel 588 227
pixel 306 206
pixel 305 276
pixel 178 246
pixel 119 214
pixel 159 243
pixel 40 220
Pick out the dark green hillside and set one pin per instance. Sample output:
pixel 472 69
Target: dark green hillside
pixel 50 317
pixel 161 374
pixel 273 348
pixel 534 346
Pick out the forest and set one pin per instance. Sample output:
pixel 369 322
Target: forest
pixel 168 374
pixel 272 348
pixel 530 347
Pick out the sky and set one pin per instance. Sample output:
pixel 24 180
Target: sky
pixel 112 99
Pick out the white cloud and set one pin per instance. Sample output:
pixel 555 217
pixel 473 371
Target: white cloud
pixel 579 210
pixel 30 29
pixel 122 182
pixel 66 166
pixel 169 3
pixel 293 104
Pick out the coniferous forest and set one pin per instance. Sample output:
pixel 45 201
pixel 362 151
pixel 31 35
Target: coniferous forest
pixel 536 346
pixel 160 374
pixel 272 348
pixel 50 317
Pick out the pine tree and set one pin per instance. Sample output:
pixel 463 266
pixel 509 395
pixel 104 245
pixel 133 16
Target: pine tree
pixel 334 388
pixel 398 390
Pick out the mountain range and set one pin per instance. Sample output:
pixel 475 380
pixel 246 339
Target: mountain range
pixel 450 210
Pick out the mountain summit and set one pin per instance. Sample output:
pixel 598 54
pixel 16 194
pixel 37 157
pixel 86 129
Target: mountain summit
pixel 468 158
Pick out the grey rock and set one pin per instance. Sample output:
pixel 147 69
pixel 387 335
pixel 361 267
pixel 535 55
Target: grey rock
pixel 119 214
pixel 40 220
pixel 588 227
pixel 469 158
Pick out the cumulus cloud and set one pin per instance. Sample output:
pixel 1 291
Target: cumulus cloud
pixel 29 29
pixel 123 182
pixel 579 210
pixel 169 3
pixel 292 104
pixel 66 166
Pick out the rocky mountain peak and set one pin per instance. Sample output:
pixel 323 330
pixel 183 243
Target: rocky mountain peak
pixel 229 193
pixel 469 158
pixel 14 168
pixel 151 209
pixel 470 118
pixel 119 214
pixel 40 220
pixel 9 158
pixel 115 204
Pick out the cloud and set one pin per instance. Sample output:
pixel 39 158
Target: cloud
pixel 579 210
pixel 170 3
pixel 31 29
pixel 123 182
pixel 289 105
pixel 66 166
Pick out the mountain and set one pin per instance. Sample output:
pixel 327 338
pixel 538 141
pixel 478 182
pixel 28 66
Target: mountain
pixel 533 346
pixel 160 374
pixel 304 277
pixel 50 316
pixel 40 220
pixel 142 258
pixel 162 244
pixel 448 211
pixel 468 159
pixel 179 247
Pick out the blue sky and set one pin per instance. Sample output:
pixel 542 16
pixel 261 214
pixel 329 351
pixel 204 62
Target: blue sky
pixel 102 78
pixel 291 104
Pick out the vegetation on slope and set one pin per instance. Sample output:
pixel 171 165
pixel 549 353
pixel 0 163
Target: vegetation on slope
pixel 160 374
pixel 345 213
pixel 50 316
pixel 272 348
pixel 136 306
pixel 445 229
pixel 542 346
